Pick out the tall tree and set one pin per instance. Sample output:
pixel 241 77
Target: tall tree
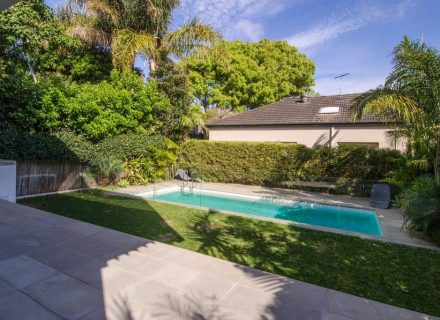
pixel 33 42
pixel 24 29
pixel 180 116
pixel 239 75
pixel 132 27
pixel 411 97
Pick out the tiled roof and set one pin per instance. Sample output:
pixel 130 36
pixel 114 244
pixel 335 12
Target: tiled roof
pixel 292 111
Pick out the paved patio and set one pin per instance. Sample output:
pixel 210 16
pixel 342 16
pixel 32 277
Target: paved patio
pixel 390 220
pixel 52 267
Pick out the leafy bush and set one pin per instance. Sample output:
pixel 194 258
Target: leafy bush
pixel 275 164
pixel 131 145
pixel 107 171
pixel 122 104
pixel 421 207
pixel 16 144
pixel 147 158
pixel 249 163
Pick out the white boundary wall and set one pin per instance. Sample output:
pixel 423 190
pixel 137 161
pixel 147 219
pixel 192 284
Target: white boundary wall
pixel 8 180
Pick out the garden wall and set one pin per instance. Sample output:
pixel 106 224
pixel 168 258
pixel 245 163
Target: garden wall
pixel 349 169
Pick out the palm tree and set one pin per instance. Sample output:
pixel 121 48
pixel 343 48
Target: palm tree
pixel 410 96
pixel 132 27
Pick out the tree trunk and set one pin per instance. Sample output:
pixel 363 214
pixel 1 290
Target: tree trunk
pixel 437 160
pixel 31 70
pixel 153 66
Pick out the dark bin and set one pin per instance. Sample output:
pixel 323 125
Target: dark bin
pixel 381 195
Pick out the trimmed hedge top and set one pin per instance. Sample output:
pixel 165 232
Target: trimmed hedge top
pixel 16 144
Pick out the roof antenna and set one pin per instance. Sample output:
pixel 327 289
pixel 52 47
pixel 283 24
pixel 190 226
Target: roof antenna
pixel 340 78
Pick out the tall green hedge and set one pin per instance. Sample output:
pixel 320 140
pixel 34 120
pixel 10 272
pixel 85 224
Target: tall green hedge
pixel 272 163
pixel 16 144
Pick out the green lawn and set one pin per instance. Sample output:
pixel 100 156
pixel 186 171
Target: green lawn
pixel 398 275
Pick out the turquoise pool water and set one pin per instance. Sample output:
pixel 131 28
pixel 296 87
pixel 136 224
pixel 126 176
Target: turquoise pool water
pixel 343 218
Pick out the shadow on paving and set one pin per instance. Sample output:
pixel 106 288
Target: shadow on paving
pixel 81 271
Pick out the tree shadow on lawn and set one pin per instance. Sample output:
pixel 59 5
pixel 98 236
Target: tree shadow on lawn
pixel 371 269
pixel 115 212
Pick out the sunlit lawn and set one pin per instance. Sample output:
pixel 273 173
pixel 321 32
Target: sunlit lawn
pixel 393 274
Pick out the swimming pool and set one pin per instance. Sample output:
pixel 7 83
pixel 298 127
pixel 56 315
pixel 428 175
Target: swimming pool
pixel 336 217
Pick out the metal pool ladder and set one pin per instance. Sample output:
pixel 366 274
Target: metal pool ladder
pixel 189 184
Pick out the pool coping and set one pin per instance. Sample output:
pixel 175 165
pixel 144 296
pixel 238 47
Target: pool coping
pixel 384 228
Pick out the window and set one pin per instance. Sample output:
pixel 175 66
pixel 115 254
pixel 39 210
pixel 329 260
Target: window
pixel 329 110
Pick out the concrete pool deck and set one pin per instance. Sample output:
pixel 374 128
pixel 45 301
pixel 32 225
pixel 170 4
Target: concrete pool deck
pixel 53 267
pixel 390 220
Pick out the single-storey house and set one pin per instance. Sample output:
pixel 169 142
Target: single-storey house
pixel 311 121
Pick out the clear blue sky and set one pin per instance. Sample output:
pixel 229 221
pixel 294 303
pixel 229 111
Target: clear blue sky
pixel 340 36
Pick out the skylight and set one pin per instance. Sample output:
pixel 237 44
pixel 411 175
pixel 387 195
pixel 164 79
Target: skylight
pixel 327 110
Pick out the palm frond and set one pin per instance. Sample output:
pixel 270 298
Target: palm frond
pixel 387 103
pixel 127 43
pixel 422 164
pixel 90 34
pixel 103 7
pixel 359 106
pixel 416 73
pixel 194 35
pixel 395 105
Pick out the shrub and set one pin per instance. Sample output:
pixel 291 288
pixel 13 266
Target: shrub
pixel 249 163
pixel 107 171
pixel 123 103
pixel 147 158
pixel 130 146
pixel 421 207
pixel 108 108
pixel 275 163
pixel 16 144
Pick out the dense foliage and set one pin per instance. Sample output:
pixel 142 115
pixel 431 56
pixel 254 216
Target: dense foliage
pixel 52 78
pixel 122 103
pixel 180 115
pixel 239 75
pixel 137 27
pixel 34 42
pixel 421 207
pixel 144 157
pixel 276 164
pixel 411 97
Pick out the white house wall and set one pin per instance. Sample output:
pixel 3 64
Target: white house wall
pixel 309 135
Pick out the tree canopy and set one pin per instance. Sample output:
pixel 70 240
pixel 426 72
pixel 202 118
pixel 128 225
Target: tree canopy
pixel 34 42
pixel 240 75
pixel 51 80
pixel 137 27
